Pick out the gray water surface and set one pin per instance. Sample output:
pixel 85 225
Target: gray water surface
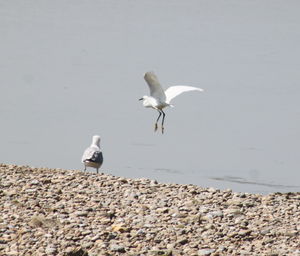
pixel 72 69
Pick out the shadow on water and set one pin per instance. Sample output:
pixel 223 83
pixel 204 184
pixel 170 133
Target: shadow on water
pixel 240 180
pixel 143 144
pixel 161 170
pixel 166 170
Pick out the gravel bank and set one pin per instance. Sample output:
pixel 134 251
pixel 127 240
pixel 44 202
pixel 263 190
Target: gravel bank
pixel 68 212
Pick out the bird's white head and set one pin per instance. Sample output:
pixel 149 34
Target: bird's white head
pixel 147 101
pixel 144 97
pixel 96 140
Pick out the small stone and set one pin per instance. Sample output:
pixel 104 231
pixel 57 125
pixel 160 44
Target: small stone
pixel 204 252
pixel 81 214
pixel 95 238
pixel 160 253
pixel 69 249
pixel 86 232
pixel 51 250
pixel 117 248
pixel 153 182
pixel 183 241
pixel 34 182
pixel 30 190
pixel 235 202
pixel 215 214
pixel 87 245
pixel 233 212
pixel 140 232
pixel 245 232
pixel 119 228
pixel 212 190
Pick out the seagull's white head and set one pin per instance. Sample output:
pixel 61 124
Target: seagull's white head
pixel 96 140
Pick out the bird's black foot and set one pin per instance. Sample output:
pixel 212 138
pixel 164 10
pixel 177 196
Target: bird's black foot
pixel 162 130
pixel 155 127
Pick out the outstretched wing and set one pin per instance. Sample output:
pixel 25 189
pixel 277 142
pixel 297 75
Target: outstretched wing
pixel 174 91
pixel 156 91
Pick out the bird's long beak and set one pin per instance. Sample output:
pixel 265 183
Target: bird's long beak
pixel 141 99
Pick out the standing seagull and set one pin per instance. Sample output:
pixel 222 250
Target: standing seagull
pixel 159 98
pixel 92 156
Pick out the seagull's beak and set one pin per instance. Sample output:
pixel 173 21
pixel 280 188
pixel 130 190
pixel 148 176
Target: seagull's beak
pixel 141 99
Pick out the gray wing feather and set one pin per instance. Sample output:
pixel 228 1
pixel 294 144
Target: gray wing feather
pixel 92 155
pixel 97 157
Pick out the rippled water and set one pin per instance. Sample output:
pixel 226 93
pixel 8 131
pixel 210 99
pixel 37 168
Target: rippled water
pixel 72 69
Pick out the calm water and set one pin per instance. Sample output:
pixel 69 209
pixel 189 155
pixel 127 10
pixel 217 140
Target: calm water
pixel 72 69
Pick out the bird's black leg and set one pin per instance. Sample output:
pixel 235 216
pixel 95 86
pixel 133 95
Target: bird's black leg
pixel 162 122
pixel 97 170
pixel 155 127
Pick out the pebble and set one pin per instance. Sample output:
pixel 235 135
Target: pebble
pixel 204 252
pixel 51 250
pixel 34 182
pixel 117 248
pixel 81 214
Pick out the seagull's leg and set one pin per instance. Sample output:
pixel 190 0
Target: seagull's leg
pixel 162 122
pixel 97 170
pixel 84 168
pixel 155 127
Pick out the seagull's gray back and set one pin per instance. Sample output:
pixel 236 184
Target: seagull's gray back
pixel 92 154
pixel 97 157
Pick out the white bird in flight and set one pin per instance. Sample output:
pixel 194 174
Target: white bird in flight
pixel 92 156
pixel 159 98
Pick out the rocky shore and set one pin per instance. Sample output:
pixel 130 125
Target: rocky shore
pixel 68 212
